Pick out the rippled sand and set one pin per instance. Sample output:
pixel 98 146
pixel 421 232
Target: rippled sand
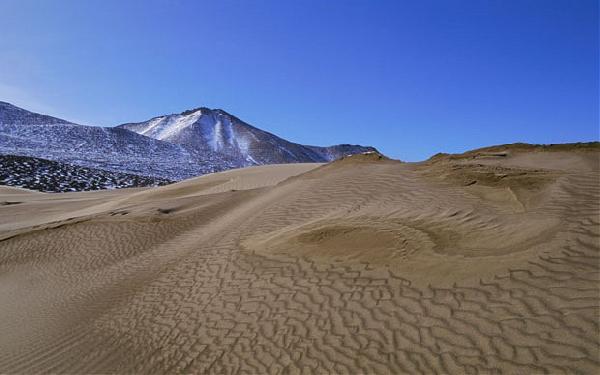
pixel 479 263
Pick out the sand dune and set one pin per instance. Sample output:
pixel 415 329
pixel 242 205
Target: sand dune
pixel 485 262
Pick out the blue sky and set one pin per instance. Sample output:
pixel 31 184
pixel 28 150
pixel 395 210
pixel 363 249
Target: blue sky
pixel 411 78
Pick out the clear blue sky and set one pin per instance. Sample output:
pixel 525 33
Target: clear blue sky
pixel 410 77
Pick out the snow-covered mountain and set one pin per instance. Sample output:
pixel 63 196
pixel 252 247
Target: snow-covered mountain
pixel 114 149
pixel 214 131
pixel 173 147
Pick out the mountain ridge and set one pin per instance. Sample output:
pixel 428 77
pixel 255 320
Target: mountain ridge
pixel 175 147
pixel 215 130
pixel 7 109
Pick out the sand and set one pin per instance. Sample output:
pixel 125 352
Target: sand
pixel 486 262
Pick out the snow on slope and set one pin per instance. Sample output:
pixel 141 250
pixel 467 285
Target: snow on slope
pixel 166 126
pixel 173 147
pixel 214 130
pixel 114 149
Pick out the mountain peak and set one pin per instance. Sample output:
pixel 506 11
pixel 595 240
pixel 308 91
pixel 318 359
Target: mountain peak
pixel 194 110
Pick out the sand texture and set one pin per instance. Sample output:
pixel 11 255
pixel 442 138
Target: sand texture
pixel 486 262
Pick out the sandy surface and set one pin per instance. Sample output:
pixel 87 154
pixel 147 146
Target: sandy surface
pixel 480 264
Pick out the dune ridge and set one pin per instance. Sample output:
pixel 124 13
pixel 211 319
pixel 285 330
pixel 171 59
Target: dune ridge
pixel 482 263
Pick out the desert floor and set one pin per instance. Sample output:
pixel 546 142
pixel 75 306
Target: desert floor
pixel 484 262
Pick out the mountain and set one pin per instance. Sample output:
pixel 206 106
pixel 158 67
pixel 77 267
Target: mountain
pixel 113 149
pixel 13 115
pixel 214 131
pixel 173 147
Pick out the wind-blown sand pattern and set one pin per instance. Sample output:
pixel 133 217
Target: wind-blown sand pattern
pixel 486 262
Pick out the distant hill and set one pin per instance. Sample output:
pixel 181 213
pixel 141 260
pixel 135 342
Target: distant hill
pixel 172 147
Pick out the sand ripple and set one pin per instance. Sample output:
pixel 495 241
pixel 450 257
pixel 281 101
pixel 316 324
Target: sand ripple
pixel 367 267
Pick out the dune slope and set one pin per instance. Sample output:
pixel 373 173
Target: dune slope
pixel 483 263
